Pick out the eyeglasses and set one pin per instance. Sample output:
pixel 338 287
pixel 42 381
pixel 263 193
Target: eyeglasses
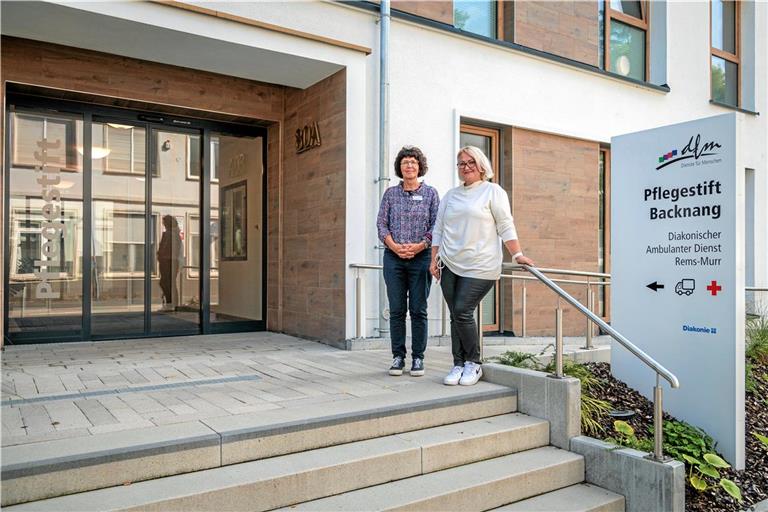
pixel 469 163
pixel 411 162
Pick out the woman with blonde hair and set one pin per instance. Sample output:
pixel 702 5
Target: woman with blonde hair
pixel 472 222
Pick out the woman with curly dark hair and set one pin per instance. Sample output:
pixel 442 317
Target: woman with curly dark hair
pixel 406 217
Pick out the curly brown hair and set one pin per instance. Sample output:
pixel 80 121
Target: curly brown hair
pixel 411 152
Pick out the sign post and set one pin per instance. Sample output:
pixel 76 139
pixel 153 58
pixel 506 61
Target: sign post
pixel 678 270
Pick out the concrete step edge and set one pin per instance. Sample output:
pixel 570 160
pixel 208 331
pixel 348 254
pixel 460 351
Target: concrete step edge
pixel 66 466
pixel 295 478
pixel 479 486
pixel 576 498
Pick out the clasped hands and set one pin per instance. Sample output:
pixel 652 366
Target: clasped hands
pixel 407 251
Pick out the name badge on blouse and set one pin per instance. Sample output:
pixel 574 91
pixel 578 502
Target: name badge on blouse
pixel 417 198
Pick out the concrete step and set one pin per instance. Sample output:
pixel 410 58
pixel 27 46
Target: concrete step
pixel 300 477
pixel 480 486
pixel 55 468
pixel 576 498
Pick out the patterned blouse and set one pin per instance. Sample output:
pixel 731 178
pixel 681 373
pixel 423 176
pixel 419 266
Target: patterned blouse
pixel 408 216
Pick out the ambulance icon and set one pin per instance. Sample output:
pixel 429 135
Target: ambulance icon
pixel 685 287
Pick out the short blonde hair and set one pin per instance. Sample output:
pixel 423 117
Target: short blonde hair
pixel 483 164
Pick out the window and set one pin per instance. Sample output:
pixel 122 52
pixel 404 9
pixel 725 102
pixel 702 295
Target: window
pixel 124 145
pixel 125 248
pixel 476 16
pixel 724 75
pixel 624 37
pixel 26 245
pixel 193 247
pixel 31 128
pixel 193 158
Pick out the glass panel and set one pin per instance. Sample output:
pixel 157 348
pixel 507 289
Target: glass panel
pixel 630 8
pixel 175 301
pixel 45 224
pixel 725 81
pixel 236 229
pixel 724 25
pixel 119 202
pixel 484 143
pixel 627 50
pixel 476 16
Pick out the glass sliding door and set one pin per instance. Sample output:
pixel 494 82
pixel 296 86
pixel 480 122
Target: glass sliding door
pixel 118 187
pixel 160 230
pixel 44 182
pixel 236 229
pixel 175 260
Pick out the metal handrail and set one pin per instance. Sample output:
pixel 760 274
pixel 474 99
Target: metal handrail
pixel 648 360
pixel 755 289
pixel 658 452
pixel 658 436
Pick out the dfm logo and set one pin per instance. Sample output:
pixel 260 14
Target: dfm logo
pixel 694 149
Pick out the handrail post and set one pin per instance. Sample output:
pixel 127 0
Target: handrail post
pixel 591 307
pixel 658 428
pixel 480 328
pixel 358 305
pixel 524 305
pixel 443 318
pixel 559 341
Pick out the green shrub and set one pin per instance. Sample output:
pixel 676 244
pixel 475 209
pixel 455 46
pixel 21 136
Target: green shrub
pixel 518 360
pixel 682 439
pixel 757 339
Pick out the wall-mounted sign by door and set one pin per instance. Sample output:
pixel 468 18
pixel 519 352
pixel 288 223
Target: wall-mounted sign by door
pixel 678 270
pixel 307 138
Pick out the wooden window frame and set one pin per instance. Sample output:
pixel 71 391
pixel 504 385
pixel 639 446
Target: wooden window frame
pixel 643 24
pixel 495 136
pixel 730 57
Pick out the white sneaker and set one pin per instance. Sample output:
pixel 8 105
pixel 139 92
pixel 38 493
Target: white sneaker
pixel 453 376
pixel 471 374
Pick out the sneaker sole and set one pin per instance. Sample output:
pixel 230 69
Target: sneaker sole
pixel 448 383
pixel 396 373
pixel 417 373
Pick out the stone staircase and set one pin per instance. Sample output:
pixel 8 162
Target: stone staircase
pixel 461 449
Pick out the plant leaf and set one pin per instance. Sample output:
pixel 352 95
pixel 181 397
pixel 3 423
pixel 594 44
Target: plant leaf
pixel 763 439
pixel 691 460
pixel 624 428
pixel 715 461
pixel 731 488
pixel 708 470
pixel 698 483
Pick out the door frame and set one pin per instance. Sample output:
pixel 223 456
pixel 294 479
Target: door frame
pixel 151 121
pixel 495 158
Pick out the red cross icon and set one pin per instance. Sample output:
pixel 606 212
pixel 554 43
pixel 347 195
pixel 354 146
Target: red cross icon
pixel 714 287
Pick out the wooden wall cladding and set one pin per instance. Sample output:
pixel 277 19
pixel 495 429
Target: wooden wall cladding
pixel 314 213
pixel 565 28
pixel 116 77
pixel 554 192
pixel 441 11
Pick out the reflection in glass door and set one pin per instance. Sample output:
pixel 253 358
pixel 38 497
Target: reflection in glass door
pixel 118 186
pixel 175 283
pixel 237 229
pixel 111 245
pixel 44 180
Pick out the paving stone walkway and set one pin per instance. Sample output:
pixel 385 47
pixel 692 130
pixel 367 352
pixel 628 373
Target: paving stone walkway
pixel 70 390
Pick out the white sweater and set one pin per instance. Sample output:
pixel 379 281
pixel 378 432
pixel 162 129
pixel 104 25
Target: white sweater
pixel 470 221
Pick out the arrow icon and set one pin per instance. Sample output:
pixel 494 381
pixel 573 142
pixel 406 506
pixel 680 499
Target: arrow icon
pixel 655 286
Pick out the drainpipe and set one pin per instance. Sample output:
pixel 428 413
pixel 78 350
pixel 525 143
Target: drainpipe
pixel 383 179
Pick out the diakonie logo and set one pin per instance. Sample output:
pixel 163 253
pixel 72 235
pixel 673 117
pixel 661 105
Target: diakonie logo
pixel 694 149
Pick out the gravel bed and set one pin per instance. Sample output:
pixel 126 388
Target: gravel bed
pixel 753 480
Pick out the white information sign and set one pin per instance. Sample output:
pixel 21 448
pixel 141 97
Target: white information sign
pixel 677 287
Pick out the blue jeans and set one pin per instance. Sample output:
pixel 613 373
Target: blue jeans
pixel 408 283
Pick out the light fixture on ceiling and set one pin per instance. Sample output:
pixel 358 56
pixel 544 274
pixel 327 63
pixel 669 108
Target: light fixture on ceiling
pixel 623 65
pixel 64 184
pixel 97 152
pixel 120 126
